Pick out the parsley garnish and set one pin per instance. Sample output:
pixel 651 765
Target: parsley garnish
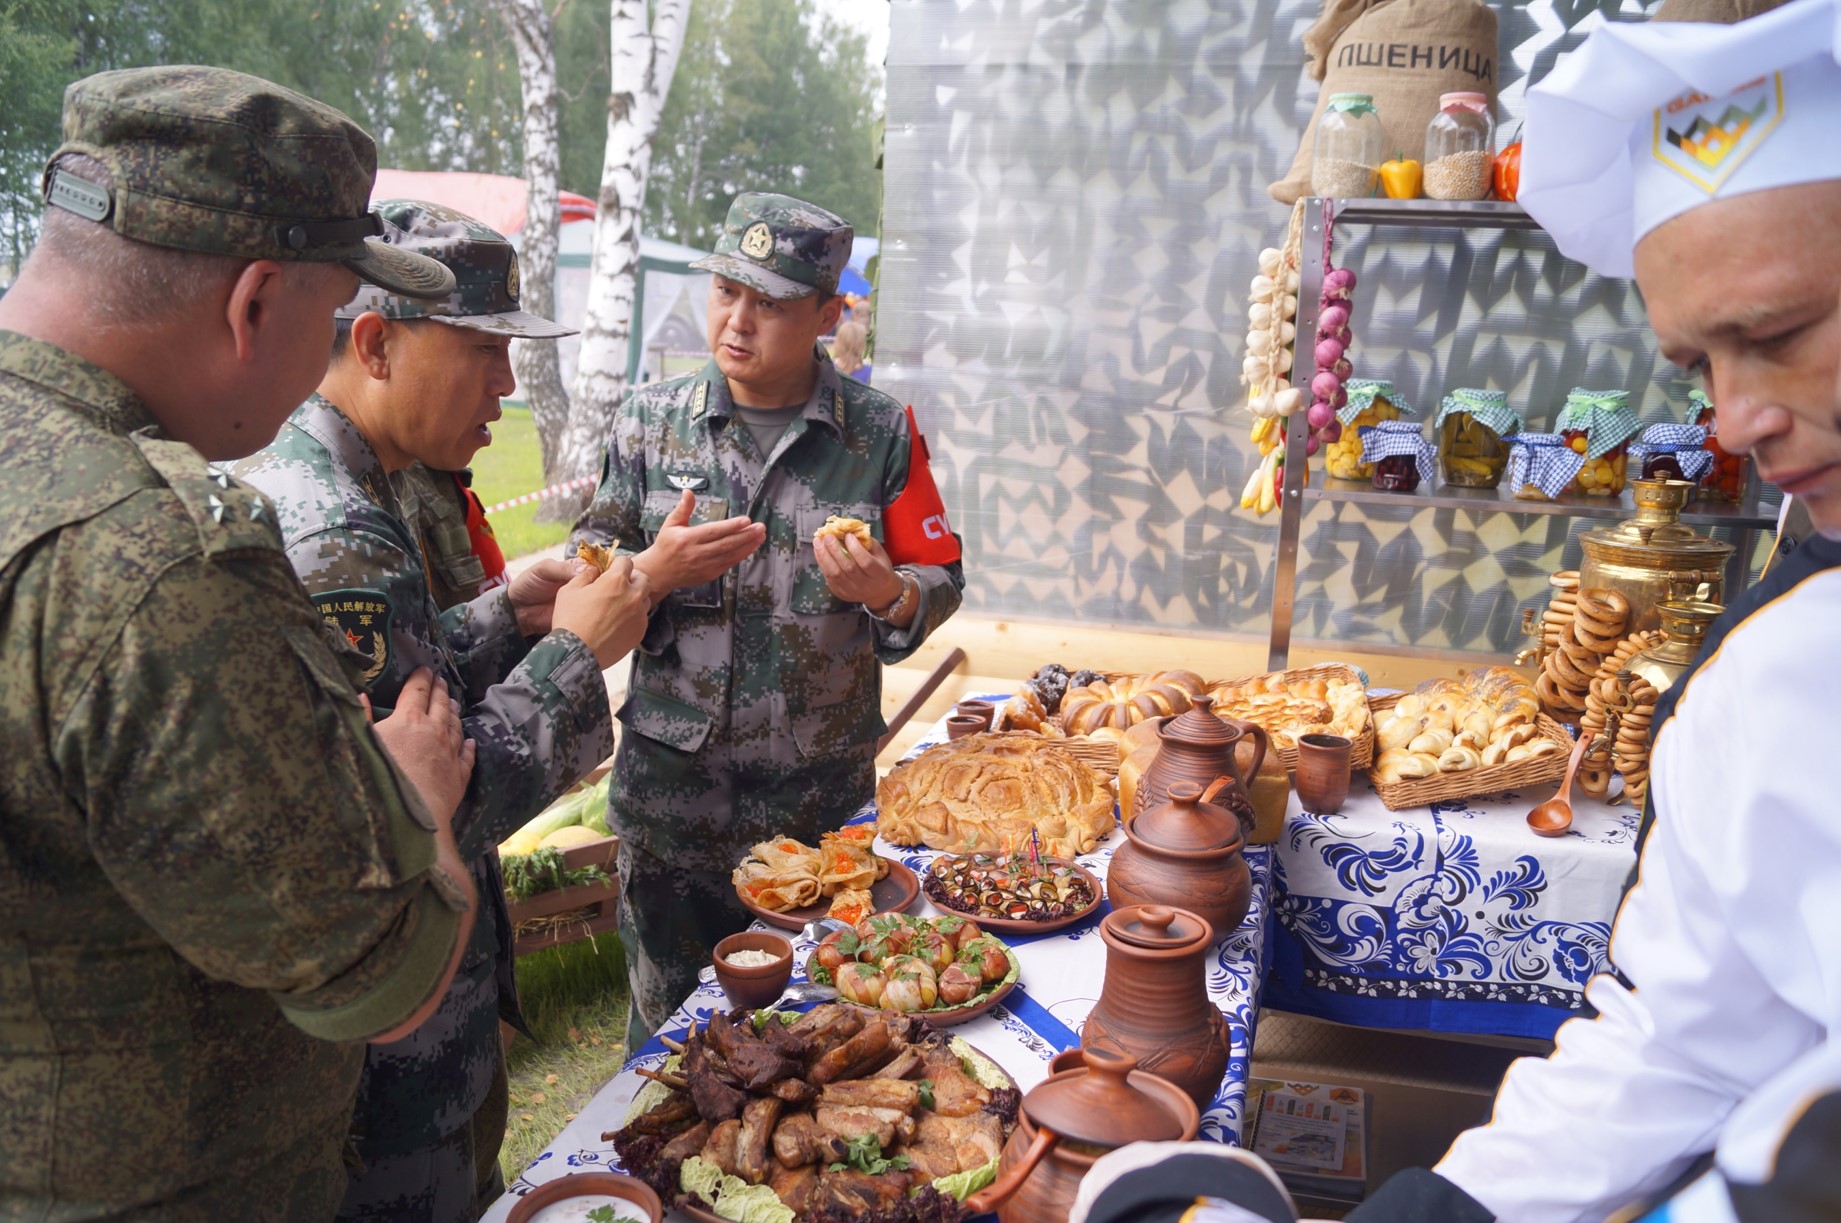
pixel 603 1214
pixel 865 1155
pixel 926 1093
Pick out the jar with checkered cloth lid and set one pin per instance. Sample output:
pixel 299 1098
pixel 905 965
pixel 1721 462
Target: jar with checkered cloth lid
pixel 1672 452
pixel 1473 427
pixel 1399 454
pixel 1541 465
pixel 1599 426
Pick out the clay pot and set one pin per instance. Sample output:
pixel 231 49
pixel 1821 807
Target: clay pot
pixel 984 711
pixel 634 1192
pixel 1071 1119
pixel 1154 1003
pixel 1198 746
pixel 1185 852
pixel 1323 773
pixel 754 987
pixel 960 725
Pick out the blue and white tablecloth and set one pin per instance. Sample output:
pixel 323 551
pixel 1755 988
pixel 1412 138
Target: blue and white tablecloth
pixel 1058 987
pixel 1452 918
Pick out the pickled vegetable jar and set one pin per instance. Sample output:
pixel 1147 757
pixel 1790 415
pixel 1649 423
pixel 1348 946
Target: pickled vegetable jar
pixel 1460 145
pixel 1473 428
pixel 1731 473
pixel 1541 466
pixel 1370 401
pixel 1598 425
pixel 1346 161
pixel 1399 454
pixel 1672 452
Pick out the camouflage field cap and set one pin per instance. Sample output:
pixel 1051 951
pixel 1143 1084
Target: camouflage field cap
pixel 780 246
pixel 210 160
pixel 485 268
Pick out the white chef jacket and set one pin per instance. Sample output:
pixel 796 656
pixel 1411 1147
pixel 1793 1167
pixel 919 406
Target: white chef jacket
pixel 1731 937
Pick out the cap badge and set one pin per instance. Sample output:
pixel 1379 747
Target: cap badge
pixel 512 278
pixel 1705 140
pixel 758 241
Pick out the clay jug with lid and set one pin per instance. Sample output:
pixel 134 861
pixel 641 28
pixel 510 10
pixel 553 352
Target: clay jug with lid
pixel 1185 852
pixel 1069 1120
pixel 1200 746
pixel 1154 1002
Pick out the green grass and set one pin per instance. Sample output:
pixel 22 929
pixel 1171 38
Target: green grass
pixel 511 467
pixel 575 1001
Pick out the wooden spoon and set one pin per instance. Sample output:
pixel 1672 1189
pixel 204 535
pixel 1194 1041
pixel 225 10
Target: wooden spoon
pixel 1553 817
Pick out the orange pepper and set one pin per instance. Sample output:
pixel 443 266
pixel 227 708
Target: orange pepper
pixel 1505 172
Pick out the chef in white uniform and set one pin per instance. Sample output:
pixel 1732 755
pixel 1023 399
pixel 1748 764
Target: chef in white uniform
pixel 1707 159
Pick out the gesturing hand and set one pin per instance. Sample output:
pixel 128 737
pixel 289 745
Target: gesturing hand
pixel 684 555
pixel 533 593
pixel 423 736
pixel 857 573
pixel 608 611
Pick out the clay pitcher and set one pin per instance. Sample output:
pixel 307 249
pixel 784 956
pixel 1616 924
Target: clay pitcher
pixel 1185 852
pixel 1154 1002
pixel 1199 746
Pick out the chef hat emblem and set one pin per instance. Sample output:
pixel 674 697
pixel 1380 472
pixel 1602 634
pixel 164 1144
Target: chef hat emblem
pixel 1705 139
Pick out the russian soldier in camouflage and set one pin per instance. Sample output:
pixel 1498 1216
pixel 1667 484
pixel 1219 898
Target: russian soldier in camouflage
pixel 214 885
pixel 755 701
pixel 416 381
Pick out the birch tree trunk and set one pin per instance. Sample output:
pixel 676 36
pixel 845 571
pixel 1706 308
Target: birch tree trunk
pixel 645 59
pixel 539 369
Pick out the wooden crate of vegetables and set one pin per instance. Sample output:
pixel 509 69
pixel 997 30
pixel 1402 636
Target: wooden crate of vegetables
pixel 559 872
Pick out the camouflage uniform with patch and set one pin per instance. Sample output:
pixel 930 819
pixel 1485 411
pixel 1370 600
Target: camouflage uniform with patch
pixel 435 504
pixel 755 700
pixel 539 713
pixel 214 882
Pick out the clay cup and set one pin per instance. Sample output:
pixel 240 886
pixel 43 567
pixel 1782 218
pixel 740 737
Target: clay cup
pixel 1322 778
pixel 754 987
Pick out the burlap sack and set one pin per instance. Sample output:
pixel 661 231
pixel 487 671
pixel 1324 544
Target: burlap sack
pixel 1403 52
pixel 1714 12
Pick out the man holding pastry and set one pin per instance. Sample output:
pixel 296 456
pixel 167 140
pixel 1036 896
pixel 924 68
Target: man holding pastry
pixel 786 517
pixel 419 381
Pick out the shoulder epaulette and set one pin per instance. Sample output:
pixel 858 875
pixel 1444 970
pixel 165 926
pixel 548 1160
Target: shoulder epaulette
pixel 230 516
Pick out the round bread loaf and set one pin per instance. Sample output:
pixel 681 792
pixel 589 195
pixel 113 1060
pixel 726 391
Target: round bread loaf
pixel 1124 703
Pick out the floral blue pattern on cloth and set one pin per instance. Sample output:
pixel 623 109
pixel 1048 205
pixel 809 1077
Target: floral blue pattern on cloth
pixel 1059 986
pixel 1454 917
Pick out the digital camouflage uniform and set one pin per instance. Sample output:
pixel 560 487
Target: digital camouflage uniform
pixel 212 880
pixel 539 713
pixel 436 504
pixel 754 706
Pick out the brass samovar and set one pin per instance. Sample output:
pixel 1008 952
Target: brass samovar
pixel 1653 559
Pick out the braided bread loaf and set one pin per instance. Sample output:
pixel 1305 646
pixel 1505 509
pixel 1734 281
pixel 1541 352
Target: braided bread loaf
pixel 1124 703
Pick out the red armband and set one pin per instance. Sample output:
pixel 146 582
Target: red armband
pixel 484 543
pixel 914 526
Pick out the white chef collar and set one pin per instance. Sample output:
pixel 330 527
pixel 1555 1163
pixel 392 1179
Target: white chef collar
pixel 1645 121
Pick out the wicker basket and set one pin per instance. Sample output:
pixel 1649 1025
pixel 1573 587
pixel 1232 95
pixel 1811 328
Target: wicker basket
pixel 1361 751
pixel 1106 756
pixel 1490 779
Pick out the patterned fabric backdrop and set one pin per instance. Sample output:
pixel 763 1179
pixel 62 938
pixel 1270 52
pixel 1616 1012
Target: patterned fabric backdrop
pixel 1075 197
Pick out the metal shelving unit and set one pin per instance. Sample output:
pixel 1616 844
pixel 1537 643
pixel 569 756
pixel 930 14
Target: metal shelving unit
pixel 1745 520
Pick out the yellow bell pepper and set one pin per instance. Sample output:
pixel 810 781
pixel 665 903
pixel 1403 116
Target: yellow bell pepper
pixel 1401 177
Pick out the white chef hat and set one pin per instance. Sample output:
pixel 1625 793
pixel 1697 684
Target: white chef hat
pixel 1646 121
